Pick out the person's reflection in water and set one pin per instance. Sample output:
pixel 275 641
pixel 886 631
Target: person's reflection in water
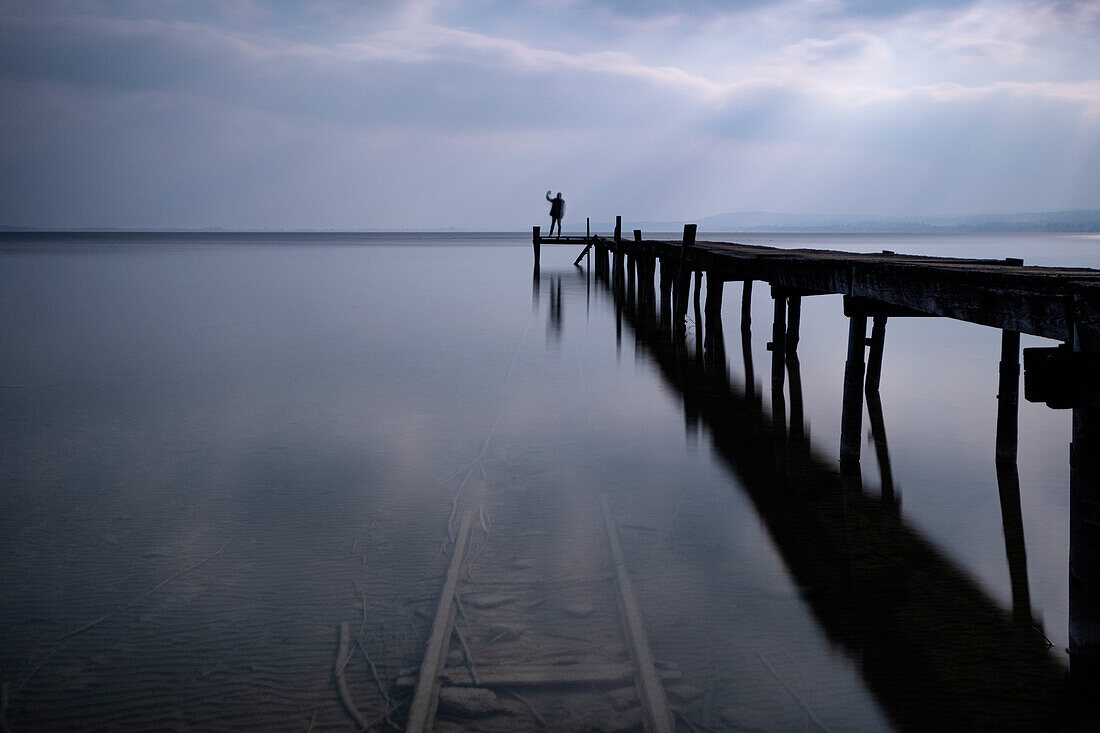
pixel 554 324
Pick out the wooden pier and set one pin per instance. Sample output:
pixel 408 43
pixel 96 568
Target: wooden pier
pixel 1062 304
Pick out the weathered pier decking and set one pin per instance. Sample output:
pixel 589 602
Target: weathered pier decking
pixel 1043 301
pixel 1062 304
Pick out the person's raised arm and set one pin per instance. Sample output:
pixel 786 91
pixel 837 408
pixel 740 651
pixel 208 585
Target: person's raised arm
pixel 548 196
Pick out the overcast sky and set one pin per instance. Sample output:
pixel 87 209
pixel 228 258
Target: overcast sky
pixel 342 114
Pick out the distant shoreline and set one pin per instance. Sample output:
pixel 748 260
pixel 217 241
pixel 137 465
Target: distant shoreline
pixel 601 230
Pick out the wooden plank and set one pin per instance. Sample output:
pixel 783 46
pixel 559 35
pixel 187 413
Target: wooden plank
pixel 426 694
pixel 851 417
pixel 877 309
pixel 656 714
pixel 568 239
pixel 946 294
pixel 583 253
pixel 1029 300
pixel 540 675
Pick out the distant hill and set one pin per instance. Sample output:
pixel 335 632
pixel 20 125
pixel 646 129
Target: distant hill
pixel 1087 220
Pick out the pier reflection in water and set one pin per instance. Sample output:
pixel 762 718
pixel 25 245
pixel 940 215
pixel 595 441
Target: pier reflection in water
pixel 934 648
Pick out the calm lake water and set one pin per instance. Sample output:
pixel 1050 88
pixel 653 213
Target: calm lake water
pixel 306 415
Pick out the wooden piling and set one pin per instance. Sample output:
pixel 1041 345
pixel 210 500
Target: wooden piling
pixel 874 357
pixel 1084 538
pixel 637 235
pixel 779 402
pixel 714 344
pixel 646 299
pixel 797 427
pixel 1084 549
pixel 1008 397
pixel 794 320
pixel 618 230
pixel 746 305
pixel 750 372
pixel 536 239
pixel 779 336
pixel 1012 521
pixel 851 418
pixel 698 326
pixel 631 270
pixel 746 342
pixel 682 281
pixel 882 449
pixel 714 295
pixel 667 278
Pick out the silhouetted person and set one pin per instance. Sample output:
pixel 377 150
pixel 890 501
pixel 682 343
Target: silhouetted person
pixel 557 211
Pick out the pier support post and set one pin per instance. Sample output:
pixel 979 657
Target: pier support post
pixel 637 235
pixel 779 402
pixel 851 415
pixel 797 427
pixel 874 357
pixel 667 278
pixel 683 281
pixel 618 230
pixel 1084 543
pixel 794 319
pixel 746 305
pixel 882 449
pixel 631 264
pixel 1008 397
pixel 778 343
pixel 645 286
pixel 1012 521
pixel 714 346
pixel 1084 548
pixel 746 342
pixel 536 240
pixel 714 295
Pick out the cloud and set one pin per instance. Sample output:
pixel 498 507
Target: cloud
pixel 342 114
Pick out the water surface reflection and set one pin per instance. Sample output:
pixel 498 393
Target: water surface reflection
pixel 934 648
pixel 301 413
